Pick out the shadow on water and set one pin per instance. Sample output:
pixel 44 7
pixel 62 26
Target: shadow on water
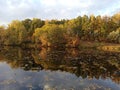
pixel 84 63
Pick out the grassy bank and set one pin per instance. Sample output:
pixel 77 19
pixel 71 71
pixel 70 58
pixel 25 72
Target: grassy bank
pixel 100 45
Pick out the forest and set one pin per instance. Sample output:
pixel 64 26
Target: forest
pixel 68 33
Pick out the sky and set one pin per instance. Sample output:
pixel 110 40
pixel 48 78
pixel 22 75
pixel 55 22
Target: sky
pixel 54 9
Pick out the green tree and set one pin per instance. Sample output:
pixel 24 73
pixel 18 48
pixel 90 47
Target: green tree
pixel 73 31
pixel 50 35
pixel 2 34
pixel 116 20
pixel 16 33
pixel 36 23
pixel 85 27
pixel 114 36
pixel 58 22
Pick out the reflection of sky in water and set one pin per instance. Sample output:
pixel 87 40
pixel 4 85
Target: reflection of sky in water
pixel 17 79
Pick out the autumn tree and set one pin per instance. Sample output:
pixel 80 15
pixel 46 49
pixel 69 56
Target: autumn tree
pixel 50 35
pixel 114 36
pixel 2 34
pixel 36 23
pixel 16 33
pixel 62 32
pixel 73 32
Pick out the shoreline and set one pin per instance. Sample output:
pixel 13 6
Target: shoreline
pixel 112 47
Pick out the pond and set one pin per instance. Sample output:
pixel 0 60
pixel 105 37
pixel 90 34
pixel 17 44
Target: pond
pixel 59 69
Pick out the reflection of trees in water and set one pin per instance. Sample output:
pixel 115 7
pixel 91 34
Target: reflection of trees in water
pixel 85 63
pixel 18 58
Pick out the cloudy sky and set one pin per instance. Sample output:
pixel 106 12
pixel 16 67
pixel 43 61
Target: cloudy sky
pixel 54 9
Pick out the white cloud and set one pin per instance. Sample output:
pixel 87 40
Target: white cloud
pixel 49 2
pixel 58 9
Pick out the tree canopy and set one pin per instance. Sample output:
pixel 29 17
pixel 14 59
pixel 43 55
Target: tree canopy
pixel 62 32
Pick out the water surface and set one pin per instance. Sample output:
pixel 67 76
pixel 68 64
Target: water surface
pixel 59 69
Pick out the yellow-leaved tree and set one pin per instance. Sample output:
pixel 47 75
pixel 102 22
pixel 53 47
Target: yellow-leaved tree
pixel 50 35
pixel 15 34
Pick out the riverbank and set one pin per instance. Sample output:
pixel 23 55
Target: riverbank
pixel 83 44
pixel 100 46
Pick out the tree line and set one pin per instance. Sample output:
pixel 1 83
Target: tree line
pixel 67 33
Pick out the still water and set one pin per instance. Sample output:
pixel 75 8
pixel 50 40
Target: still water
pixel 59 69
